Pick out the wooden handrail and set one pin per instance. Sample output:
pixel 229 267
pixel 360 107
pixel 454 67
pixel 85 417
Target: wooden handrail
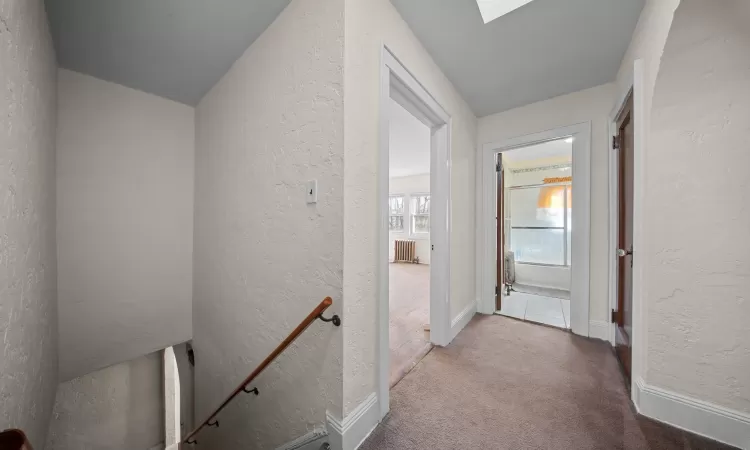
pixel 14 440
pixel 316 313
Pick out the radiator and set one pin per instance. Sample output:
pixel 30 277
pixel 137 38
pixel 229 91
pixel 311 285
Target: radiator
pixel 405 251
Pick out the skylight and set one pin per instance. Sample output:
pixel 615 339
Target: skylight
pixel 492 9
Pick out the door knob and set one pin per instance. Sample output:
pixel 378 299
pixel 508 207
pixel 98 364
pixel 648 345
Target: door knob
pixel 622 253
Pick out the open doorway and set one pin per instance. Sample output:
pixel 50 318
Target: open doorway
pixel 409 241
pixel 415 214
pixel 535 212
pixel 535 204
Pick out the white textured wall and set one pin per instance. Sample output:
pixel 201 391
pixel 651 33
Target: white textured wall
pixel 591 105
pixel 543 276
pixel 369 25
pixel 28 266
pixel 697 212
pixel 263 257
pixel 647 44
pixel 407 186
pixel 117 408
pixel 124 222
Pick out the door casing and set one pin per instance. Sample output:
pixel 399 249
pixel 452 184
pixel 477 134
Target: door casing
pixel 633 85
pixel 398 84
pixel 623 340
pixel 487 224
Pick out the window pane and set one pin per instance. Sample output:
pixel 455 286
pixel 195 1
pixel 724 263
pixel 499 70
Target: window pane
pixel 396 223
pixel 396 204
pixel 420 224
pixel 422 204
pixel 538 246
pixel 538 207
pixel 420 213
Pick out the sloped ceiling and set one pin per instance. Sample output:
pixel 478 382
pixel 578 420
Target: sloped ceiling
pixel 538 51
pixel 176 49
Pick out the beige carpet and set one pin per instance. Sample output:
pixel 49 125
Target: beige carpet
pixel 409 310
pixel 507 384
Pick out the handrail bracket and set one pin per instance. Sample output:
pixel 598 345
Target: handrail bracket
pixel 335 319
pixel 316 313
pixel 251 391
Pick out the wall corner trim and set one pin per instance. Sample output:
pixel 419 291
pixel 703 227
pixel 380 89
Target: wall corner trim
pixel 696 416
pixel 309 441
pixel 463 319
pixel 356 427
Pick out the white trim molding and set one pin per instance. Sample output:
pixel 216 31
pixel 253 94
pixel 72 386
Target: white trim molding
pixel 487 223
pixel 696 416
pixel 354 429
pixel 462 319
pixel 312 440
pixel 399 85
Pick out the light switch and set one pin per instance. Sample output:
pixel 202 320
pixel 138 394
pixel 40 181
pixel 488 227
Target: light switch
pixel 312 191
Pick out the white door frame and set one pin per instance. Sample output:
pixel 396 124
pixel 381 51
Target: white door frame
pixel 635 85
pixel 487 224
pixel 397 83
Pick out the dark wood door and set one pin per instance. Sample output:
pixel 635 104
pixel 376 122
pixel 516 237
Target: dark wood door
pixel 500 220
pixel 624 314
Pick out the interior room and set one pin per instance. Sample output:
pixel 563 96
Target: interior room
pixel 536 186
pixel 409 241
pixel 165 183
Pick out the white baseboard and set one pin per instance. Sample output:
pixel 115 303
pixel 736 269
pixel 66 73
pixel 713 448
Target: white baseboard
pixel 600 330
pixel 696 416
pixel 309 441
pixel 354 429
pixel 463 319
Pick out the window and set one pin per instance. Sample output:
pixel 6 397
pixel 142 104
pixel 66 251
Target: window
pixel 412 210
pixel 540 219
pixel 396 213
pixel 492 9
pixel 420 214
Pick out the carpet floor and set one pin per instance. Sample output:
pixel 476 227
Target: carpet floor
pixel 507 384
pixel 409 311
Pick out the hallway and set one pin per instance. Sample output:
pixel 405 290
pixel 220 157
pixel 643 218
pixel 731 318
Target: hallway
pixel 505 384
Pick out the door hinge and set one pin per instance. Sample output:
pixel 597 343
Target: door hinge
pixel 432 247
pixel 614 316
pixel 498 167
pixel 615 142
pixel 498 290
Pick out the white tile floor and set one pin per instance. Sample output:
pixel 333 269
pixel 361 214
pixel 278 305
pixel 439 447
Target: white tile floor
pixel 537 308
